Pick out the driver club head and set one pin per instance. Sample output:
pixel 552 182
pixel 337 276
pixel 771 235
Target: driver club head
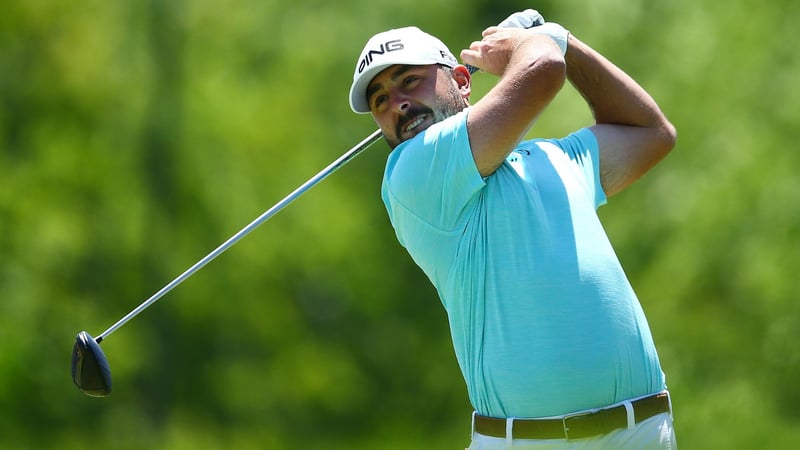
pixel 90 370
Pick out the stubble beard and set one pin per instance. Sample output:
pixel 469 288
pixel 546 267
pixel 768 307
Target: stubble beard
pixel 449 105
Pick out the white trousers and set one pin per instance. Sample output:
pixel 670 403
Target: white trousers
pixel 655 433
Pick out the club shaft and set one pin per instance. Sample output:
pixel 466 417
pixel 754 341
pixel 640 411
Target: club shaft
pixel 333 167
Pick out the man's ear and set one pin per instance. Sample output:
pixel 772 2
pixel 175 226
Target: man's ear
pixel 464 80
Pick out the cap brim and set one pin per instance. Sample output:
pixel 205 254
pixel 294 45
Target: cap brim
pixel 358 91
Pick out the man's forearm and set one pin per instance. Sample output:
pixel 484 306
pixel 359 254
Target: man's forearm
pixel 613 96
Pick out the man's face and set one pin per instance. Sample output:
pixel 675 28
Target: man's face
pixel 405 100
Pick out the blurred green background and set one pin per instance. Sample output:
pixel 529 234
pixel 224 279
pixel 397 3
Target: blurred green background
pixel 136 136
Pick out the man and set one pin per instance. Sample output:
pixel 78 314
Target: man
pixel 549 335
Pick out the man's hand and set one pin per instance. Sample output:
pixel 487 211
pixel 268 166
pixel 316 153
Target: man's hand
pixel 493 52
pixel 530 18
pixel 523 19
pixel 556 32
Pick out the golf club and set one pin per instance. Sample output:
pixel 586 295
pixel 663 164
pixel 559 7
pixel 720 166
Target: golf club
pixel 90 370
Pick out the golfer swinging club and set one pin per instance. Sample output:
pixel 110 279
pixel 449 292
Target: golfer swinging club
pixel 549 335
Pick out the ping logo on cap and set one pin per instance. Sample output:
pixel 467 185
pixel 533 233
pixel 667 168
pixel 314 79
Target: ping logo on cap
pixel 388 46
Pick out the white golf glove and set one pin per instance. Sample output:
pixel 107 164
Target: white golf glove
pixel 556 32
pixel 531 19
pixel 523 19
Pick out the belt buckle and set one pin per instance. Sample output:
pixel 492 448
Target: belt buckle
pixel 567 417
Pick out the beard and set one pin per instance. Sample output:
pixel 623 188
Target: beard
pixel 444 106
pixel 449 105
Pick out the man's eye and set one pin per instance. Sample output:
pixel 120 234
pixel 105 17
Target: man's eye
pixel 410 79
pixel 379 100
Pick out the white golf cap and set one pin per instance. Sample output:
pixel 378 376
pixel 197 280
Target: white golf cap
pixel 410 46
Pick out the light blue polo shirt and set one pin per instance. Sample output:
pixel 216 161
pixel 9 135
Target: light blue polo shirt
pixel 543 319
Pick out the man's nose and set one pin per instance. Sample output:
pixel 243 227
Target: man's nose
pixel 400 103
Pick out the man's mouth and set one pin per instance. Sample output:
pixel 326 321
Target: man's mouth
pixel 412 126
pixel 414 123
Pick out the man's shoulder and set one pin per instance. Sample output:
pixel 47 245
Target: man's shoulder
pixel 583 134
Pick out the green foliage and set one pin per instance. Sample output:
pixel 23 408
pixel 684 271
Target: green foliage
pixel 135 137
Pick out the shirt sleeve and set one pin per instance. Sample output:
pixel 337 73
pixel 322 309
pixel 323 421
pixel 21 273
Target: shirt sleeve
pixel 433 176
pixel 582 148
